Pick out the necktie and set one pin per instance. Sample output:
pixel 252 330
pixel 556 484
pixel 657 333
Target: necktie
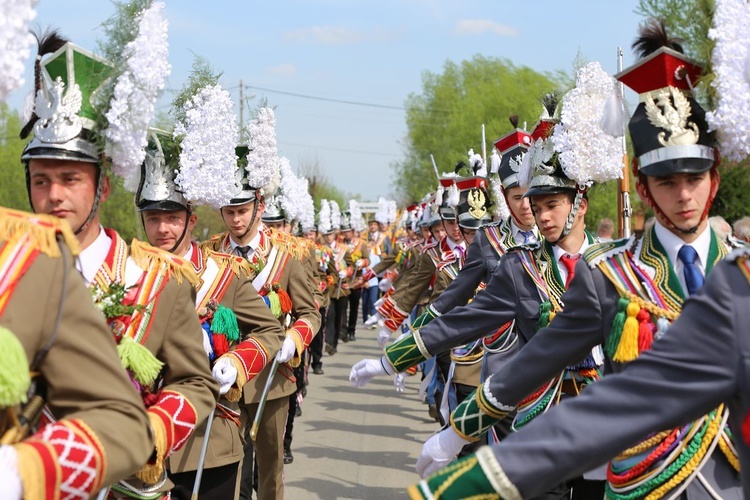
pixel 693 276
pixel 528 237
pixel 569 261
pixel 244 251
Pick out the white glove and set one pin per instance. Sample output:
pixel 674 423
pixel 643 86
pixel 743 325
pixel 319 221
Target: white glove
pixel 379 302
pixel 440 450
pixel 398 382
pixel 373 319
pixel 384 285
pixel 384 335
pixel 365 370
pixel 207 344
pixel 9 478
pixel 287 351
pixel 343 274
pixel 359 263
pixel 225 374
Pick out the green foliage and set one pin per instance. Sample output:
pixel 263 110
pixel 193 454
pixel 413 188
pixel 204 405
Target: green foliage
pixel 203 75
pixel 445 120
pixel 602 203
pixel 119 212
pixel 733 198
pixel 12 179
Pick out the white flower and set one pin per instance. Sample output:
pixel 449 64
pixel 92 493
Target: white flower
pixel 324 217
pixel 335 215
pixel 208 160
pixel 356 219
pixel 587 153
pixel 731 32
pixel 135 95
pixel 15 42
pixel 262 160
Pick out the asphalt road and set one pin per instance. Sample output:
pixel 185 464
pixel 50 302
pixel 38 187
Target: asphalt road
pixel 356 443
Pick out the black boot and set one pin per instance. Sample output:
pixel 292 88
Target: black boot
pixel 288 457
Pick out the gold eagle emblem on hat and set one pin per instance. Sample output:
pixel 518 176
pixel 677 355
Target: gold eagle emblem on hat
pixel 476 201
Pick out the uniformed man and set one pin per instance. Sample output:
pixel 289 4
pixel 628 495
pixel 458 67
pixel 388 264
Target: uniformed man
pixel 57 350
pixel 359 252
pixel 229 308
pixel 626 293
pixel 284 284
pixel 145 293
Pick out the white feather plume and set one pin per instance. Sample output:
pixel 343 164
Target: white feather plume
pixel 262 160
pixel 356 219
pixel 335 215
pixel 324 217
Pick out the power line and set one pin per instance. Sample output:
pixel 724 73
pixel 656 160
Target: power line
pixel 339 101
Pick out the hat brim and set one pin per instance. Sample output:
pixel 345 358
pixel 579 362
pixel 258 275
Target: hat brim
pixel 677 166
pixel 164 206
pixel 545 190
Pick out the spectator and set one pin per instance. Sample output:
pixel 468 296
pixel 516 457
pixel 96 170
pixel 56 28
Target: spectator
pixel 605 230
pixel 742 229
pixel 721 226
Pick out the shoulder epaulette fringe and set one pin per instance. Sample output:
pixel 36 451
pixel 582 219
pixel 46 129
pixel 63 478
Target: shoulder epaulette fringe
pixel 239 266
pixel 597 253
pixel 213 243
pixel 145 255
pixel 737 253
pixel 42 230
pixel 287 243
pixel 533 247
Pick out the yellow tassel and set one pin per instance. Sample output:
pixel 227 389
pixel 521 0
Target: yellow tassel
pixel 239 266
pixel 145 255
pixel 627 349
pixel 41 229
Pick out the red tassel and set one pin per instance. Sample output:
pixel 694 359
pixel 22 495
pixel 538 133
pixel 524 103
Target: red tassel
pixel 645 331
pixel 221 345
pixel 285 301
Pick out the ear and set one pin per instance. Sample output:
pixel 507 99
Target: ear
pixel 583 207
pixel 191 222
pixel 106 188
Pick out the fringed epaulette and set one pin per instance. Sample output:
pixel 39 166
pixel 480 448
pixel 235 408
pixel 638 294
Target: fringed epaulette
pixel 144 255
pixel 595 254
pixel 739 253
pixel 532 247
pixel 238 265
pixel 213 243
pixel 287 243
pixel 42 231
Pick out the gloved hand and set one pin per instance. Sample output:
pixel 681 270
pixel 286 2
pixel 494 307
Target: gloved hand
pixel 384 335
pixel 359 263
pixel 440 450
pixel 373 319
pixel 9 478
pixel 363 371
pixel 287 351
pixel 384 285
pixel 343 274
pixel 398 382
pixel 225 374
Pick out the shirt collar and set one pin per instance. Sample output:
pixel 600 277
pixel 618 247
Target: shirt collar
pixel 253 244
pixel 672 243
pixel 559 252
pixel 516 232
pixel 189 254
pixel 92 257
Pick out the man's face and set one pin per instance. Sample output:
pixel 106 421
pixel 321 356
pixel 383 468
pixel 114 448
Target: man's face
pixel 278 225
pixel 551 211
pixel 411 234
pixel 468 235
pixel 329 238
pixel 452 230
pixel 311 235
pixel 374 226
pixel 438 231
pixel 65 189
pixel 238 218
pixel 347 234
pixel 164 229
pixel 520 206
pixel 682 197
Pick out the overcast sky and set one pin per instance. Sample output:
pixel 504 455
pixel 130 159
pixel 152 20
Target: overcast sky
pixel 339 71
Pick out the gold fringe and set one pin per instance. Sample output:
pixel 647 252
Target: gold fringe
pixel 145 255
pixel 151 473
pixel 299 347
pixel 288 243
pixel 235 393
pixel 41 229
pixel 239 266
pixel 213 243
pixel 32 472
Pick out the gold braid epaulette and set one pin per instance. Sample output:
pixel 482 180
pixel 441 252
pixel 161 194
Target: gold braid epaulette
pixel 287 243
pixel 238 265
pixel 42 230
pixel 144 255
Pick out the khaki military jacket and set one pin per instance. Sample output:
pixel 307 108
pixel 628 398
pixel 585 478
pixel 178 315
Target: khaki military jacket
pixel 98 412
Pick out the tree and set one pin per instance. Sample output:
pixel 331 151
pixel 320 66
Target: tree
pixel 445 119
pixel 12 178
